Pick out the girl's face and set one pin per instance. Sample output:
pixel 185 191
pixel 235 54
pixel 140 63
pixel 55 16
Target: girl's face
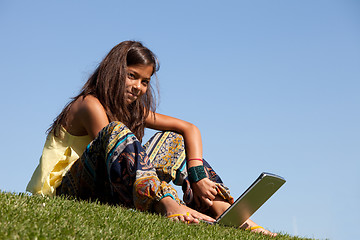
pixel 137 81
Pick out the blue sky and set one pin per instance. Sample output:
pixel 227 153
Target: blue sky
pixel 273 86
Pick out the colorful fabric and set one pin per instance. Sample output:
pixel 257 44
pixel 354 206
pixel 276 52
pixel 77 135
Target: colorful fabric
pixel 166 151
pixel 116 169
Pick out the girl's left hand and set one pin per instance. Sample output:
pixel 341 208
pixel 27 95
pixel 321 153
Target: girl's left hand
pixel 204 193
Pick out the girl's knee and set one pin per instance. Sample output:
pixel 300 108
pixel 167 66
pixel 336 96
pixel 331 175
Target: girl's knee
pixel 176 138
pixel 113 129
pixel 170 136
pixel 112 133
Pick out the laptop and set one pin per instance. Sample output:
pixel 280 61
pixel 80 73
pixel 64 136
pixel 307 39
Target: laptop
pixel 251 200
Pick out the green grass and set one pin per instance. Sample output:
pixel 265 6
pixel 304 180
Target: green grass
pixel 35 217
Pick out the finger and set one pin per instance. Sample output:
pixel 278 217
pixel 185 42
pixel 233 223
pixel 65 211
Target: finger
pixel 211 196
pixel 214 190
pixel 209 202
pixel 213 184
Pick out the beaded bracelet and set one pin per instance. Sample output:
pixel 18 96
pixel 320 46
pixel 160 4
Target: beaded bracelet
pixel 196 173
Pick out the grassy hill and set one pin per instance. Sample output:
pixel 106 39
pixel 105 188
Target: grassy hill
pixel 33 217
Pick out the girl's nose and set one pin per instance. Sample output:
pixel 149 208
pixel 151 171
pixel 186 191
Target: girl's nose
pixel 137 84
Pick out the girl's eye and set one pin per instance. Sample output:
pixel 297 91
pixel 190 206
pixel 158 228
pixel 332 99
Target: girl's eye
pixel 131 75
pixel 145 83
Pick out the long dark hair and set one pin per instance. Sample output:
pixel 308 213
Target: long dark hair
pixel 107 84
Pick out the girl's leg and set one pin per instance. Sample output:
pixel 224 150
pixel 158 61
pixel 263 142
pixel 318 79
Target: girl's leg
pixel 166 151
pixel 115 169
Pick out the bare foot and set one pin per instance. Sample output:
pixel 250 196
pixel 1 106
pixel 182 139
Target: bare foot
pixel 253 227
pixel 171 209
pixel 198 215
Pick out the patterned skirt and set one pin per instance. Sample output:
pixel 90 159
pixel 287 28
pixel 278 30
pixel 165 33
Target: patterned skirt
pixel 116 169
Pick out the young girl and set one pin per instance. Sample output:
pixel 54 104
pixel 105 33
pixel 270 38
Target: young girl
pixel 93 149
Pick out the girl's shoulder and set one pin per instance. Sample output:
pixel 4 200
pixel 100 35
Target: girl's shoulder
pixel 86 116
pixel 87 105
pixel 88 101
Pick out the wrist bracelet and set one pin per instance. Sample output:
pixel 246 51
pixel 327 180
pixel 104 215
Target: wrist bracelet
pixel 191 159
pixel 196 173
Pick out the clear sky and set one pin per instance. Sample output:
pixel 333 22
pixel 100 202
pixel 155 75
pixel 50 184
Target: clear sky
pixel 273 86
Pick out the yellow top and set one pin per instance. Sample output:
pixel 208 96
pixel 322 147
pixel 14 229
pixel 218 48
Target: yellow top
pixel 58 156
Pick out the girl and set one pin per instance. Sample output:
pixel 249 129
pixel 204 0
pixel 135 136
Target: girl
pixel 93 148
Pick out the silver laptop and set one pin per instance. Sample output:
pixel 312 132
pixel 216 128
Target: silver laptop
pixel 251 200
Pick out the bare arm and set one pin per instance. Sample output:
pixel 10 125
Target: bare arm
pixel 204 190
pixel 189 131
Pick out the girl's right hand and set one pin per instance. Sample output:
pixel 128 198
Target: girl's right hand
pixel 204 193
